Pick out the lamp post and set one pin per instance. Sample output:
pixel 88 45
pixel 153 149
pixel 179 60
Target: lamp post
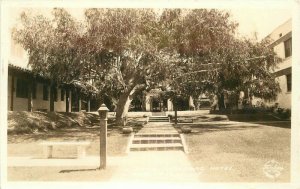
pixel 175 108
pixel 103 112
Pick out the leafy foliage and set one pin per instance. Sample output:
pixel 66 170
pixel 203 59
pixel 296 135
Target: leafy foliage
pixel 120 51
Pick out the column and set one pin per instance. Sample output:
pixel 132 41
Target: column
pixel 170 105
pixel 148 107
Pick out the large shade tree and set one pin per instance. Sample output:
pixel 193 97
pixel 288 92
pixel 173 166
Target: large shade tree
pixel 131 38
pixel 126 50
pixel 52 46
pixel 214 60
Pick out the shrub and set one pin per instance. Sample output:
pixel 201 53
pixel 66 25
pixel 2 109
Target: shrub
pixel 286 114
pixel 280 110
pixel 186 129
pixel 127 130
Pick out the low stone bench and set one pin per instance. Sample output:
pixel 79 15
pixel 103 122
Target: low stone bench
pixel 81 146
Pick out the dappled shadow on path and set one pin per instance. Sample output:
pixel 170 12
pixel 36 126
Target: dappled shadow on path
pixel 78 133
pixel 254 117
pixel 77 170
pixel 201 129
pixel 209 128
pixel 281 124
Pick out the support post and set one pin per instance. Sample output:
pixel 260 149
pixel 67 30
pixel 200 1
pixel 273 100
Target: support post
pixel 12 93
pixel 67 99
pixel 29 98
pixel 89 105
pixel 103 112
pixel 79 102
pixel 52 97
pixel 176 121
pixel 175 104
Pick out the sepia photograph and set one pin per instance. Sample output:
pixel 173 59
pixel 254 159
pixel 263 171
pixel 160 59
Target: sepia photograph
pixel 152 94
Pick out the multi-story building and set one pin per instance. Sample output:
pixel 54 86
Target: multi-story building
pixel 282 44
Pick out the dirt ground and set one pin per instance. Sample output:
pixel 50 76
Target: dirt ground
pixel 241 153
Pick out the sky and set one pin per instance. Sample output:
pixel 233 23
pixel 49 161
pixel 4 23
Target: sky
pixel 261 20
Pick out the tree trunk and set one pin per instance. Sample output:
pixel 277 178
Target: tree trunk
pixel 221 102
pixel 52 97
pixel 123 107
pixel 29 101
pixel 175 108
pixel 67 99
pixel 12 93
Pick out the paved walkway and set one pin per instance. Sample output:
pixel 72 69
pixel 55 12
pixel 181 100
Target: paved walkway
pixel 39 162
pixel 148 166
pixel 158 127
pixel 142 166
pixel 156 166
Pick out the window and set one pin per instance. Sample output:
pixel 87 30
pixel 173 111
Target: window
pixel 288 48
pixel 62 94
pixel 22 88
pixel 289 82
pixel 45 92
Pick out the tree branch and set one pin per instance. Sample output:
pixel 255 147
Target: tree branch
pixel 200 71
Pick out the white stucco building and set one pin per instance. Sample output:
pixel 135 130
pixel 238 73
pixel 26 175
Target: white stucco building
pixel 27 91
pixel 282 44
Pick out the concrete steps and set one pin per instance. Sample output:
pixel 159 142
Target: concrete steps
pixel 144 135
pixel 156 147
pixel 158 113
pixel 155 139
pixel 158 119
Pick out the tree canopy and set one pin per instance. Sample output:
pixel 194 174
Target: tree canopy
pixel 120 51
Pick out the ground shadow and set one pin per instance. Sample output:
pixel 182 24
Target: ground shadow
pixel 77 170
pixel 281 124
pixel 217 128
pixel 252 117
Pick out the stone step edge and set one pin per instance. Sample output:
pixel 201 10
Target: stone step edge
pixel 151 118
pixel 156 142
pixel 159 120
pixel 156 149
pixel 156 145
pixel 157 138
pixel 158 116
pixel 156 135
pixel 151 121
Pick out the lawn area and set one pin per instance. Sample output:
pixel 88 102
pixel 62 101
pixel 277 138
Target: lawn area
pixel 27 145
pixel 238 153
pixel 56 174
pixel 27 130
pixel 255 117
pixel 220 151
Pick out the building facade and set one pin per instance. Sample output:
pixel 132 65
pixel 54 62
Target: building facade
pixel 282 44
pixel 28 91
pixel 154 101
